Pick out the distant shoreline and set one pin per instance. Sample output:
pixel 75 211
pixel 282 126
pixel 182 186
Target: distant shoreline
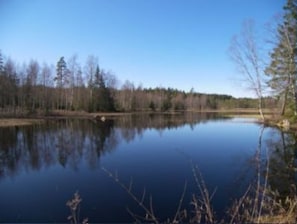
pixel 8 121
pixel 11 122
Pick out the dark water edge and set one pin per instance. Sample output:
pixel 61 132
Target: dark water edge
pixel 42 165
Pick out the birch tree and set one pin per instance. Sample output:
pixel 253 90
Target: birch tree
pixel 90 70
pixel 245 52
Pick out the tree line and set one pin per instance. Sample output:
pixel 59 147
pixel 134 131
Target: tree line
pixel 33 87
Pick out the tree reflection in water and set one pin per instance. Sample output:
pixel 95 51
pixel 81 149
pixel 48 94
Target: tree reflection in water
pixel 69 142
pixel 283 163
pixel 73 142
pixel 66 142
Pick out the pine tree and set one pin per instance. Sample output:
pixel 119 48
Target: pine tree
pixel 2 82
pixel 1 63
pixel 61 73
pixel 61 82
pixel 282 68
pixel 103 100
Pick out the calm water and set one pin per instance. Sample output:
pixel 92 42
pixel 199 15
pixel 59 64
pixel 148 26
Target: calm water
pixel 41 166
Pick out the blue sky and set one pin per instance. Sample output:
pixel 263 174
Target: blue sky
pixel 181 44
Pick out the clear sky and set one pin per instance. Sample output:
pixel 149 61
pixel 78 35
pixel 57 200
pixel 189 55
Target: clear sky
pixel 181 44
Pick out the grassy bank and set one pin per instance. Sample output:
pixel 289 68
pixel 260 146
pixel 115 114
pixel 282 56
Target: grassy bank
pixel 8 122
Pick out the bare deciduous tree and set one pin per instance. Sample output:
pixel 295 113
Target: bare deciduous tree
pixel 46 82
pixel 31 85
pixel 245 52
pixel 73 68
pixel 90 70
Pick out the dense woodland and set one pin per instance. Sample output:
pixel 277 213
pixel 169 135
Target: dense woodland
pixel 39 88
pixel 69 85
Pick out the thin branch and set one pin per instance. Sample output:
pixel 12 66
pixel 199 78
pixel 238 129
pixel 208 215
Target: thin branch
pixel 149 212
pixel 240 203
pixel 175 220
pixel 265 185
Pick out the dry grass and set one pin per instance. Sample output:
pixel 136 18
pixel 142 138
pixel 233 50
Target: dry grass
pixel 74 206
pixel 259 204
pixel 203 211
pixel 256 116
pixel 237 111
pixel 266 209
pixel 8 122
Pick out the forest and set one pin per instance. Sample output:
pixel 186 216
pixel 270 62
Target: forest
pixel 34 88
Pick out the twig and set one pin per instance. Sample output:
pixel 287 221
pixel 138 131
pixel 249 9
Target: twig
pixel 241 200
pixel 175 220
pixel 149 212
pixel 265 186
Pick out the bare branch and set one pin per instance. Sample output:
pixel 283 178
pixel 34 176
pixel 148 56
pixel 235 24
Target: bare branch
pixel 245 54
pixel 149 212
pixel 175 219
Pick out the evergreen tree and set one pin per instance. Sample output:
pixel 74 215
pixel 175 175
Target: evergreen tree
pixel 282 68
pixel 61 82
pixel 1 63
pixel 103 100
pixel 61 73
pixel 2 82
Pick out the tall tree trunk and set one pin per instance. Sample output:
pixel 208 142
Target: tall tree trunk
pixel 284 104
pixel 260 107
pixel 295 103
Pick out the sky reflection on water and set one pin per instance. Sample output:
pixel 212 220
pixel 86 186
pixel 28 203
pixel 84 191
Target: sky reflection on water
pixel 42 166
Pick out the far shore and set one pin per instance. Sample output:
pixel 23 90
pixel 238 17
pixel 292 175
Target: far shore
pixel 7 121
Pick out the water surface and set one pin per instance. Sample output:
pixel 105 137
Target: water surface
pixel 41 166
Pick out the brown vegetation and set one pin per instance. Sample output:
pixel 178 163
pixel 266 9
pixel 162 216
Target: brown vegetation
pixel 18 122
pixel 259 204
pixel 74 206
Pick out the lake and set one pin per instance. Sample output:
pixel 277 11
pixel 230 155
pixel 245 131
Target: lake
pixel 43 165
